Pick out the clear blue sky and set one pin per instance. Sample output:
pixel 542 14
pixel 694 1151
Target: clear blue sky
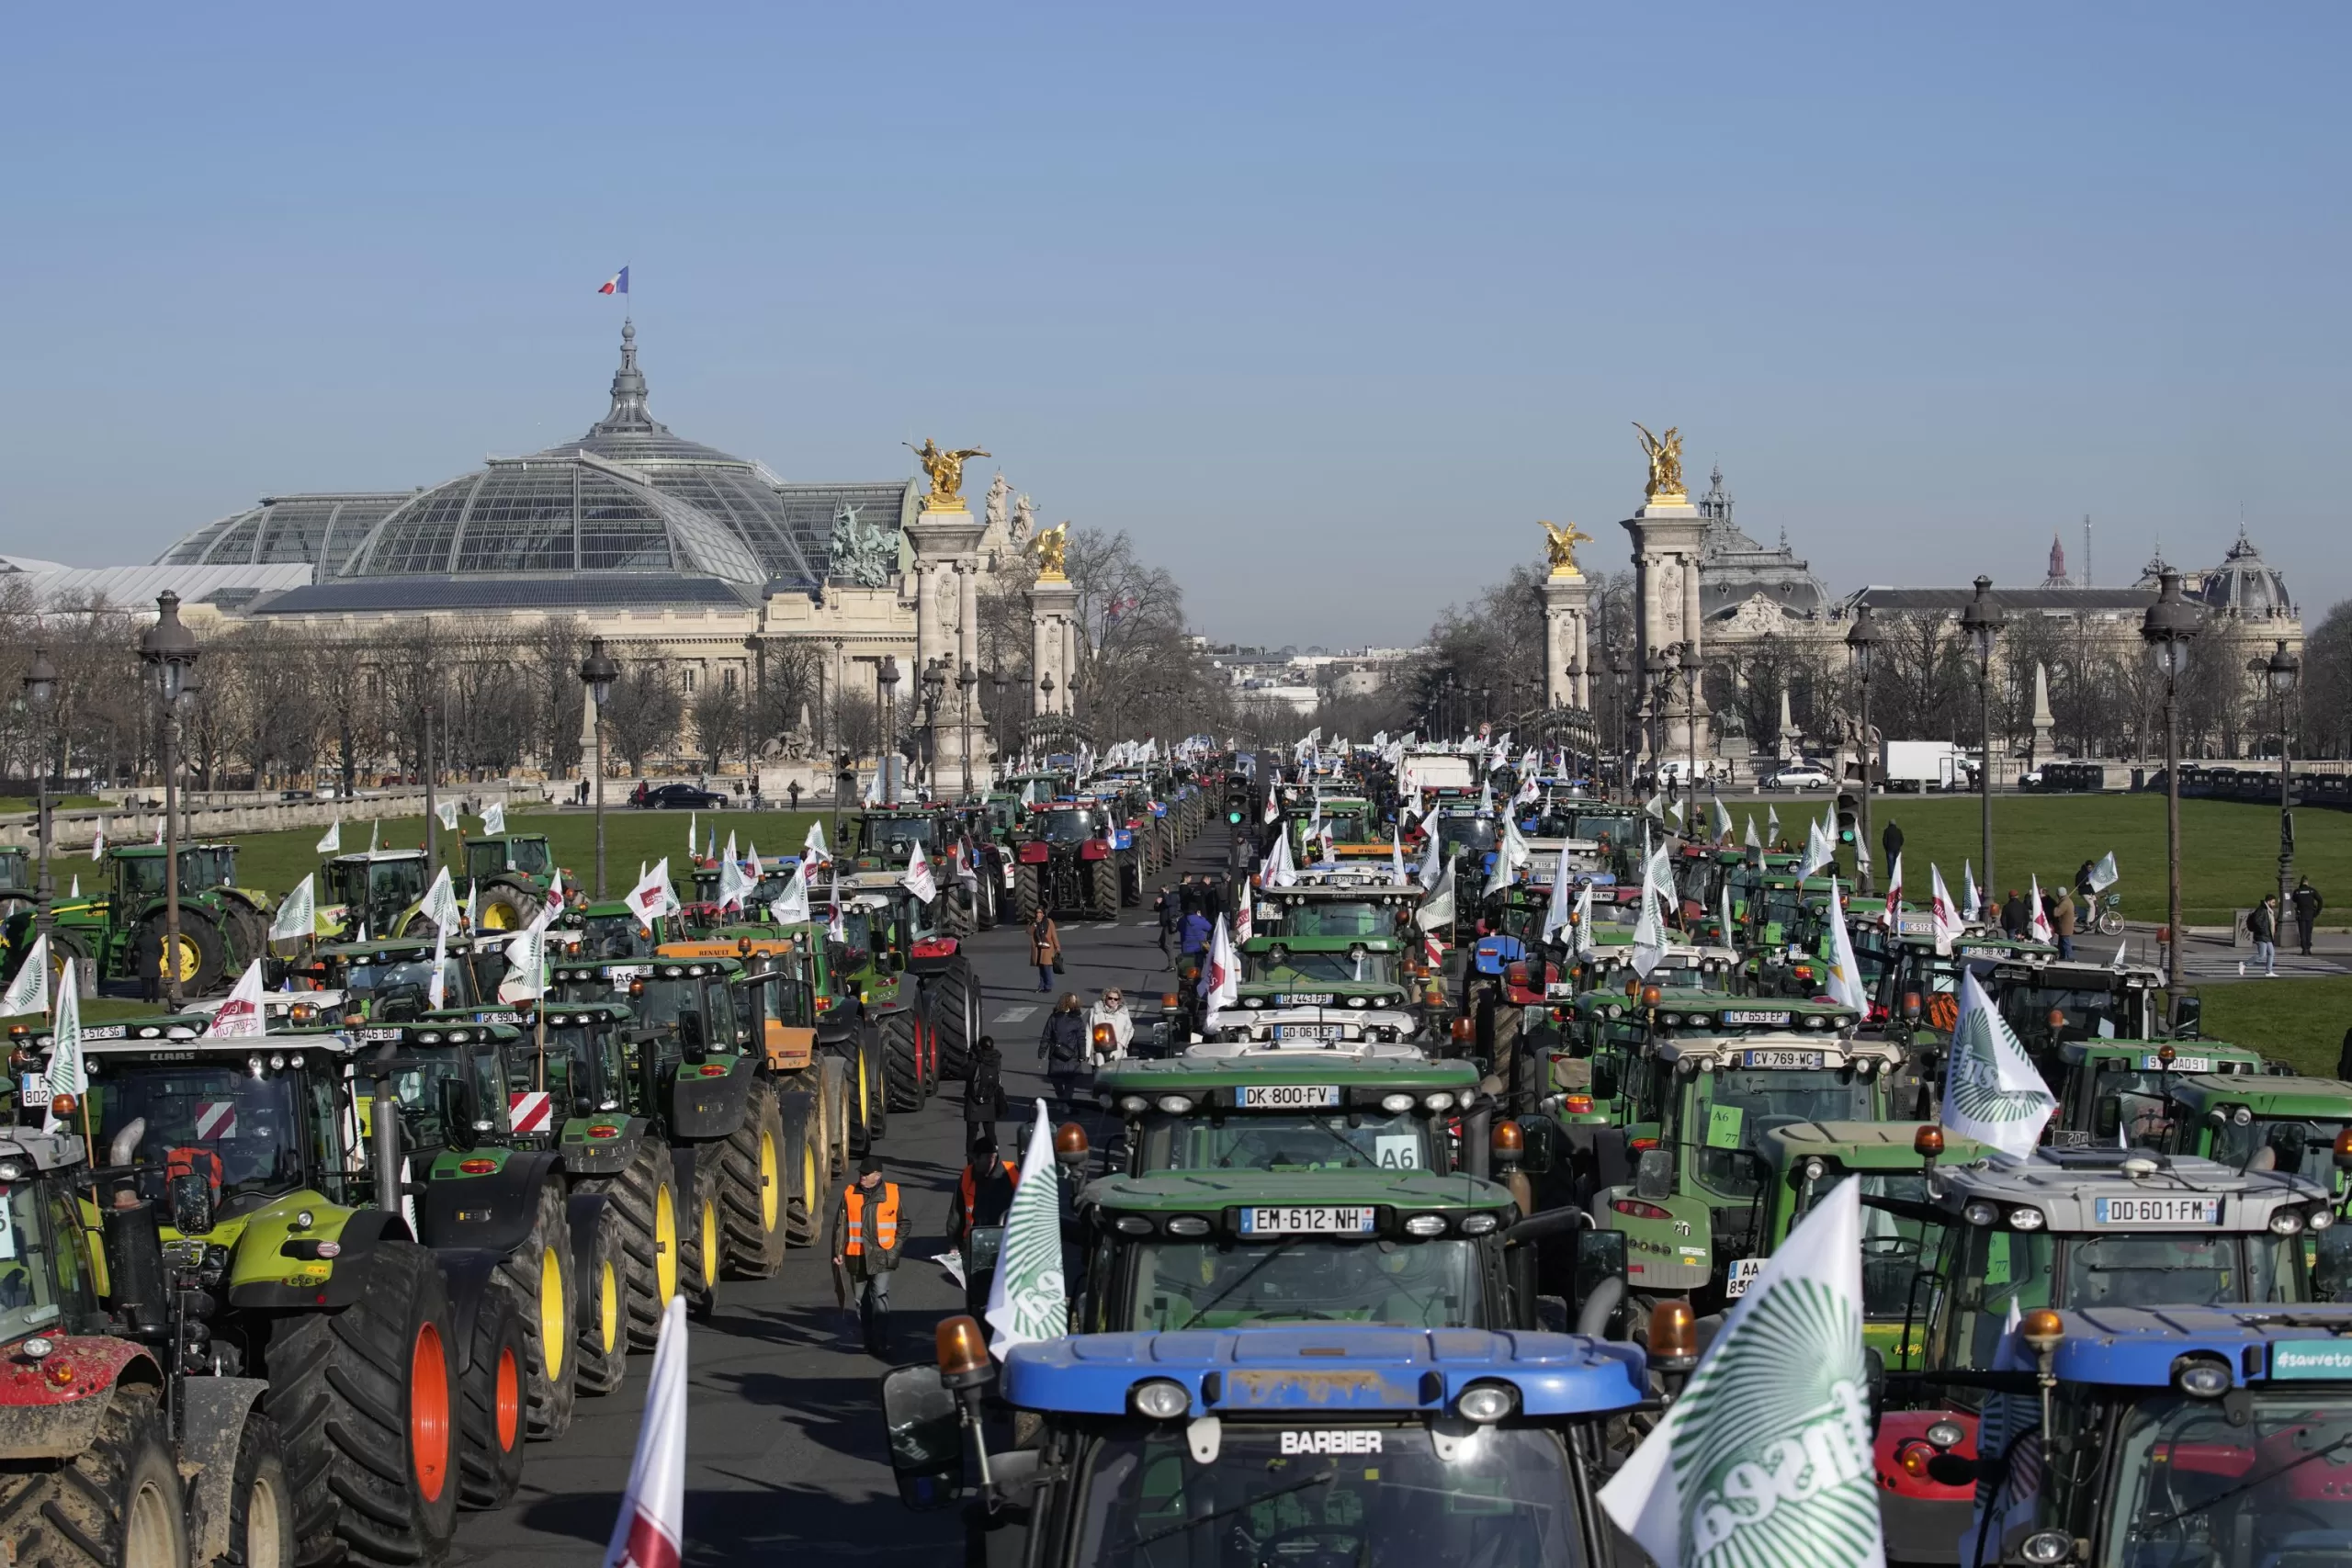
pixel 1325 304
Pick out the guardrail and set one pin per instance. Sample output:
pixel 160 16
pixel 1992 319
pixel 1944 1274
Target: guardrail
pixel 134 824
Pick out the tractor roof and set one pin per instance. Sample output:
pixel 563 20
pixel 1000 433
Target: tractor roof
pixel 1207 1191
pixel 2141 1348
pixel 1776 1049
pixel 2074 1190
pixel 2143 1055
pixel 1208 1069
pixel 368 857
pixel 1862 1145
pixel 2327 1099
pixel 1337 1372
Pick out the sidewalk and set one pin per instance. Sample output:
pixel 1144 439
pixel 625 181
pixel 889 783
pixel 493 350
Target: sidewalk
pixel 2208 957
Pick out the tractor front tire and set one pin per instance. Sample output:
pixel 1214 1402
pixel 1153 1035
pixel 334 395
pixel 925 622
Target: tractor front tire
pixel 602 1350
pixel 956 1012
pixel 489 1412
pixel 204 953
pixel 1028 893
pixel 537 1277
pixel 367 1399
pixel 901 1069
pixel 752 1186
pixel 646 1195
pixel 116 1503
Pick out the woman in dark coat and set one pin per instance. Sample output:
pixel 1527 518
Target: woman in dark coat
pixel 1062 1050
pixel 984 1103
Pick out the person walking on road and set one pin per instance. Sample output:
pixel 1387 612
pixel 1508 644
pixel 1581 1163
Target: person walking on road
pixel 2262 924
pixel 2307 905
pixel 2061 922
pixel 1194 940
pixel 2015 918
pixel 865 1238
pixel 1170 908
pixel 1062 1050
pixel 984 1192
pixel 984 1104
pixel 1111 1013
pixel 1045 949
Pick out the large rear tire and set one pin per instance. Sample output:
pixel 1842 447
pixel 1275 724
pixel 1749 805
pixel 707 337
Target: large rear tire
pixel 537 1277
pixel 808 1164
pixel 1028 893
pixel 753 1190
pixel 603 1347
pixel 204 954
pixel 64 944
pixel 903 1073
pixel 956 1012
pixel 365 1399
pixel 1102 888
pixel 509 906
pixel 646 1195
pixel 490 1414
pixel 115 1504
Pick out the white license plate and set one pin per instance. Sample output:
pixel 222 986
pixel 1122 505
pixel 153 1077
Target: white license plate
pixel 1307 1221
pixel 2152 1063
pixel 1305 999
pixel 1288 1095
pixel 2158 1210
pixel 1307 1032
pixel 1742 1274
pixel 1751 1016
pixel 1798 1059
pixel 32 1090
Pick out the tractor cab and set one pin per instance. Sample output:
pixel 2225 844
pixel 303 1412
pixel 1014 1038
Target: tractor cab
pixel 1236 1105
pixel 609 931
pixel 886 838
pixel 374 889
pixel 2295 1126
pixel 570 1066
pixel 449 1077
pixel 2116 1093
pixel 1233 1448
pixel 384 982
pixel 2050 1001
pixel 1206 1250
pixel 48 1277
pixel 1312 992
pixel 522 854
pixel 1338 909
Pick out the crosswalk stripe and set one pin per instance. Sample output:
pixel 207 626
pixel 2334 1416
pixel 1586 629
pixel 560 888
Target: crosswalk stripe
pixel 1013 1015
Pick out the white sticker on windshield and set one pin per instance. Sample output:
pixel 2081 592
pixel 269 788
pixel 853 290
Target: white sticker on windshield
pixel 1398 1151
pixel 7 1226
pixel 1329 1441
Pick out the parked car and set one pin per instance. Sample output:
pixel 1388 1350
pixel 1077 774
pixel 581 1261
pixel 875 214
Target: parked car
pixel 1800 775
pixel 682 798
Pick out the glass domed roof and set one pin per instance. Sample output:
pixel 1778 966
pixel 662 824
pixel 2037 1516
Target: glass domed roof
pixel 627 496
pixel 285 530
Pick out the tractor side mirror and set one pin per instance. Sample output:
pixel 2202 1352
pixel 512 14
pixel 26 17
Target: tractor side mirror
pixel 692 1039
pixel 1605 1084
pixel 191 1204
pixel 1600 1255
pixel 2188 1018
pixel 925 1428
pixel 457 1109
pixel 1654 1175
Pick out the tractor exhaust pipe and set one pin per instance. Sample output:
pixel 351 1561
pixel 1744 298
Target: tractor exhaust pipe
pixel 385 1129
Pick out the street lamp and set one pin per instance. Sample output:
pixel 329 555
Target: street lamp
pixel 2170 623
pixel 1981 622
pixel 169 650
pixel 845 781
pixel 2282 671
pixel 1618 670
pixel 597 673
pixel 1658 668
pixel 935 684
pixel 1862 640
pixel 40 692
pixel 997 686
pixel 967 680
pixel 885 681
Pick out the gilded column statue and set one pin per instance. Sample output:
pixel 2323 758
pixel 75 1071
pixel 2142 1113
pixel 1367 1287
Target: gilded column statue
pixel 946 471
pixel 1560 544
pixel 1050 545
pixel 1665 453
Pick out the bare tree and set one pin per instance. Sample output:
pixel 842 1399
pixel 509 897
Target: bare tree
pixel 643 713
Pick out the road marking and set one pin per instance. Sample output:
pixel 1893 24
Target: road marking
pixel 1013 1015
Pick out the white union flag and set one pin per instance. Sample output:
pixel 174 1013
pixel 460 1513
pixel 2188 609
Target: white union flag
pixel 1027 1300
pixel 1991 1090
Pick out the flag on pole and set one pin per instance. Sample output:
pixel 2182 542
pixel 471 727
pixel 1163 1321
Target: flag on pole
pixel 1723 819
pixel 68 1073
pixel 731 843
pixel 918 879
pixel 1766 1459
pixel 690 833
pixel 791 905
pixel 1244 916
pixel 446 811
pixel 652 896
pixel 1753 839
pixel 1970 911
pixel 1649 930
pixel 2122 946
pixel 733 884
pixel 617 284
pixel 1395 857
pixel 1585 946
pixel 330 841
pixel 2104 875
pixel 28 992
pixel 437 985
pixel 1556 915
pixel 755 870
pixel 1273 807
pixel 441 901
pixel 240 1014
pixel 652 1529
pixel 77 886
pixel 473 904
pixel 1433 864
pixel 1772 823
pixel 526 960
pixel 493 819
pixel 1730 938
pixel 1221 980
pixel 1510 855
pixel 1894 890
pixel 297 914
pixel 98 843
pixel 1991 1092
pixel 1820 850
pixel 1845 987
pixel 1028 1301
pixel 1948 923
pixel 812 848
pixel 375 831
pixel 2039 928
pixel 159 830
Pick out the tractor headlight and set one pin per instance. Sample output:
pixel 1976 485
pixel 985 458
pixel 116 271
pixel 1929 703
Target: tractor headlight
pixel 2201 1377
pixel 1487 1403
pixel 2047 1546
pixel 1132 1225
pixel 1425 1225
pixel 2287 1222
pixel 1160 1400
pixel 2321 1218
pixel 2024 1219
pixel 1441 1101
pixel 1175 1104
pixel 1188 1224
pixel 1980 1213
pixel 1394 1104
pixel 1477 1225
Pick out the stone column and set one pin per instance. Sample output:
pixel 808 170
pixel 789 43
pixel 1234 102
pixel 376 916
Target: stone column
pixel 1053 637
pixel 968 613
pixel 1070 664
pixel 1666 535
pixel 1565 597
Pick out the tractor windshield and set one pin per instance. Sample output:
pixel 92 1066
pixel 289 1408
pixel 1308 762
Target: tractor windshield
pixel 1307 1140
pixel 395 883
pixel 607 937
pixel 455 1081
pixel 2080 1011
pixel 1322 968
pixel 530 856
pixel 31 1296
pixel 1339 918
pixel 1376 1495
pixel 2256 1478
pixel 15 871
pixel 1475 834
pixel 1731 1112
pixel 894 838
pixel 1895 1247
pixel 2291 1147
pixel 707 999
pixel 209 865
pixel 1224 1284
pixel 1612 914
pixel 240 1130
pixel 401 987
pixel 1070 825
pixel 583 1062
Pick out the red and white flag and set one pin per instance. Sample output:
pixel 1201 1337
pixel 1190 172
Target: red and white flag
pixel 652 896
pixel 1243 917
pixel 652 1529
pixel 1221 982
pixel 918 879
pixel 1947 921
pixel 1894 889
pixel 240 1014
pixel 2041 929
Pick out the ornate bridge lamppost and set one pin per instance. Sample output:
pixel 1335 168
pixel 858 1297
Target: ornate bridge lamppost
pixel 2169 627
pixel 885 681
pixel 967 681
pixel 1862 641
pixel 597 673
pixel 169 650
pixel 2282 671
pixel 41 694
pixel 1982 623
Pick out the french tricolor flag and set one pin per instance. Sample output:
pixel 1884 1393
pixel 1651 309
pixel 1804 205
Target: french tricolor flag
pixel 617 284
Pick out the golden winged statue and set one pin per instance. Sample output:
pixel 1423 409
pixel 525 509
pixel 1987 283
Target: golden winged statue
pixel 1050 544
pixel 1666 463
pixel 946 471
pixel 1561 545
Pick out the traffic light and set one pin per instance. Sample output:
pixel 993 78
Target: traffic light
pixel 1846 827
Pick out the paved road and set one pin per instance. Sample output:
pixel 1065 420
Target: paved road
pixel 784 1445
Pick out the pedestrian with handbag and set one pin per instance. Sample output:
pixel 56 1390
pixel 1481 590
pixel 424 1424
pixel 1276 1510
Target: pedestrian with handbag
pixel 1062 1051
pixel 1045 950
pixel 984 1103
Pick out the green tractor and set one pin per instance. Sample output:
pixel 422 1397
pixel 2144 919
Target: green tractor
pixel 120 934
pixel 372 891
pixel 514 874
pixel 2112 1093
pixel 395 1385
pixel 912 978
pixel 20 885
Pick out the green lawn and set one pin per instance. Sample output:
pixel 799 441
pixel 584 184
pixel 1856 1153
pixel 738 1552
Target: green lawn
pixel 2229 851
pixel 2300 1020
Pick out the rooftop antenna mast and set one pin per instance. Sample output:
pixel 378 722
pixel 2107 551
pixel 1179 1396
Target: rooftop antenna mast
pixel 2086 549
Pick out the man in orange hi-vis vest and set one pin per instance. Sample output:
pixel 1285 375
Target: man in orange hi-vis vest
pixel 866 1233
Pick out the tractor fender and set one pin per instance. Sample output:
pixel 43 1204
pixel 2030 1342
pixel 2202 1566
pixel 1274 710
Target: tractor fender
pixel 356 1243
pixel 584 1212
pixel 493 1211
pixel 711 1107
pixel 41 1420
pixel 469 1272
pixel 213 1411
pixel 584 1156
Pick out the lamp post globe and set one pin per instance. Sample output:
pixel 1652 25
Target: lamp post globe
pixel 2169 627
pixel 41 694
pixel 169 650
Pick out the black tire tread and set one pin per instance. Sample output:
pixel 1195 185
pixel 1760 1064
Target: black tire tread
pixel 902 1074
pixel 601 1370
pixel 548 1400
pixel 753 1252
pixel 631 1194
pixel 71 1514
pixel 487 1475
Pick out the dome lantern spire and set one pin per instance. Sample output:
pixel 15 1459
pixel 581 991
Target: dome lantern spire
pixel 628 411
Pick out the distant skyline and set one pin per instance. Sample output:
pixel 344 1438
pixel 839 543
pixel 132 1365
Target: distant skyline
pixel 1325 307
